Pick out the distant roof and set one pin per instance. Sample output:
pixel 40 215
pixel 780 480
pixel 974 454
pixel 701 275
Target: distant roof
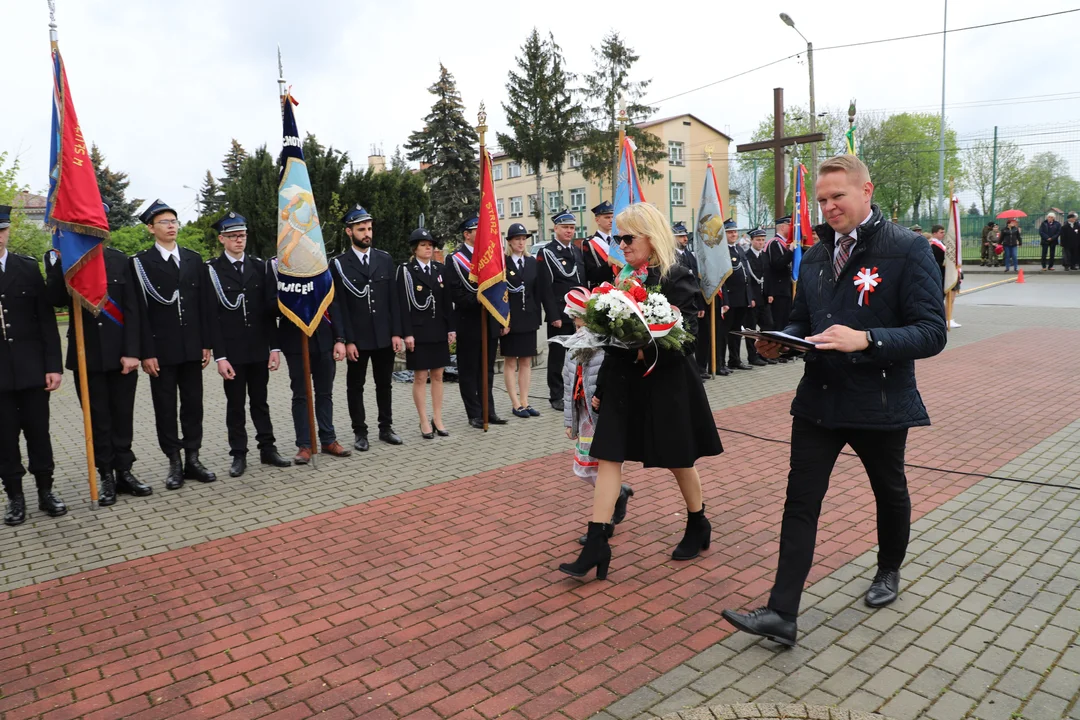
pixel 30 201
pixel 650 123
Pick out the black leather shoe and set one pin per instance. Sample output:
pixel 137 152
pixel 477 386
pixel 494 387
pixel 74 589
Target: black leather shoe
pixel 625 493
pixel 16 510
pixel 175 479
pixel 705 376
pixel 884 590
pixel 195 470
pixel 239 465
pixel 758 362
pixel 556 405
pixel 128 483
pixel 271 456
pixel 50 504
pixel 723 371
pixel 361 443
pixel 389 437
pixel 765 622
pixel 494 419
pixel 771 361
pixel 476 423
pixel 106 488
pixel 739 366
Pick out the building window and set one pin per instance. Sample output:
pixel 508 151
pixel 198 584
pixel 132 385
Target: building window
pixel 678 193
pixel 555 201
pixel 529 169
pixel 496 171
pixel 675 153
pixel 515 206
pixel 499 207
pixel 577 199
pixel 576 158
pixel 532 204
pixel 513 169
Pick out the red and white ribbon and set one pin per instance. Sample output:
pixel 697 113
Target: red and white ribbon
pixel 656 330
pixel 576 300
pixel 865 282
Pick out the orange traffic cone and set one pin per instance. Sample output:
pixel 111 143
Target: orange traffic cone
pixel 1020 275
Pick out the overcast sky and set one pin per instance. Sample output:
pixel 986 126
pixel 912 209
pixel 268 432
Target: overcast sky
pixel 161 86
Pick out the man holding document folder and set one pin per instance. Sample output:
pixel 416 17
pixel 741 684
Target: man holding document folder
pixel 869 300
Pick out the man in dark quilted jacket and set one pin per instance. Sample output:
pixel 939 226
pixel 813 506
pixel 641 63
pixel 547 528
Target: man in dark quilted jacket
pixel 870 299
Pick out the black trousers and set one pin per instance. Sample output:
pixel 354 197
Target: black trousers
pixel 470 372
pixel 185 379
pixel 1052 250
pixel 382 368
pixel 781 310
pixel 251 381
pixel 112 416
pixel 757 318
pixel 556 357
pixel 726 341
pixel 813 454
pixel 323 371
pixel 25 411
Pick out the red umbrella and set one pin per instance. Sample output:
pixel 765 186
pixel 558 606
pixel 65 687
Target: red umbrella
pixel 1009 214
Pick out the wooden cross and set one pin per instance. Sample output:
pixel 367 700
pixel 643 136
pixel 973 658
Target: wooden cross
pixel 776 144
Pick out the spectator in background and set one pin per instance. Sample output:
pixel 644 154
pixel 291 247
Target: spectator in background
pixel 1010 240
pixel 1070 243
pixel 987 253
pixel 1050 232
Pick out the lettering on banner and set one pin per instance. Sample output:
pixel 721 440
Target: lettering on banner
pixel 296 287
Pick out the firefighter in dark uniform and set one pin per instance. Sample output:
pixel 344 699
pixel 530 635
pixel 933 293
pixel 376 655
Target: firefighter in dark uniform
pixel 30 369
pixel 175 345
pixel 562 269
pixel 112 369
pixel 684 255
pixel 595 249
pixel 759 316
pixel 780 255
pixel 240 296
pixel 735 304
pixel 467 311
pixel 364 286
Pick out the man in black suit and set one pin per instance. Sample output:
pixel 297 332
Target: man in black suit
pixel 562 269
pixel 758 315
pixel 30 369
pixel 364 285
pixel 175 344
pixel 736 302
pixel 781 253
pixel 241 306
pixel 467 310
pixel 684 255
pixel 595 249
pixel 112 369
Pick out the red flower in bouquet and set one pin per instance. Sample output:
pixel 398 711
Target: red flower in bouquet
pixel 603 289
pixel 638 293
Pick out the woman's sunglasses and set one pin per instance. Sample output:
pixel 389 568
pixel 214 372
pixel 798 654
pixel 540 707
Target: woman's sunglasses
pixel 623 239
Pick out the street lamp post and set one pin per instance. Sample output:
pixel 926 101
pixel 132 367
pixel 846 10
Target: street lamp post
pixel 813 112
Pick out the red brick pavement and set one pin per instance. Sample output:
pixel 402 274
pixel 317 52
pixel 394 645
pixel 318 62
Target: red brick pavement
pixel 444 602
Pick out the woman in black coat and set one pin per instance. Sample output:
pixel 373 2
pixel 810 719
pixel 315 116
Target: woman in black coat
pixel 427 324
pixel 661 419
pixel 518 346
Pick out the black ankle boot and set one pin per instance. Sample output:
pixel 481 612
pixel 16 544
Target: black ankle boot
pixel 697 537
pixel 49 503
pixel 16 509
pixel 195 470
pixel 175 479
pixel 625 493
pixel 107 488
pixel 595 554
pixel 585 538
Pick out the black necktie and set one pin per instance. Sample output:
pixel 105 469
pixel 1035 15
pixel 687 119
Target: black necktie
pixel 521 264
pixel 365 260
pixel 239 265
pixel 427 270
pixel 175 261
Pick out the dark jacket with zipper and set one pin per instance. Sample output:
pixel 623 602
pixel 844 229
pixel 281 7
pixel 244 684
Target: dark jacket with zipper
pixel 873 389
pixel 1010 237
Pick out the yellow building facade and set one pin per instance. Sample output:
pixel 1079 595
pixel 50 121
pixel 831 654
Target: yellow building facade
pixel 676 194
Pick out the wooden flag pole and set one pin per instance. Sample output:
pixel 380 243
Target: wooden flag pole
pixel 84 398
pixel 622 119
pixel 485 408
pixel 712 331
pixel 310 393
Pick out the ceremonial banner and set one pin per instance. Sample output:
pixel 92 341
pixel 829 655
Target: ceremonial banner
pixel 627 192
pixel 800 223
pixel 952 246
pixel 488 271
pixel 305 287
pixel 74 210
pixel 849 136
pixel 710 243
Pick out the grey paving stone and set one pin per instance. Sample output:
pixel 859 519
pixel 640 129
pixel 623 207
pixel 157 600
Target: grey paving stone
pixel 844 681
pixel 675 679
pixel 950 706
pixel 955 659
pixel 931 682
pixel 710 658
pixel 1037 659
pixel 831 659
pixel 996 706
pixel 1044 705
pixel 799 683
pixel 1018 683
pixel 635 703
pixel 1061 682
pixel 974 682
pixel 682 700
pixel 886 682
pixel 905 705
pixel 759 680
pixel 711 683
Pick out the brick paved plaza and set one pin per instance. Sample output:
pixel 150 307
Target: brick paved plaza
pixel 420 581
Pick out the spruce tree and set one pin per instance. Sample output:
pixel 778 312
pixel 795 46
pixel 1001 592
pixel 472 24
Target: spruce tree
pixel 253 194
pixel 447 148
pixel 325 167
pixel 528 110
pixel 211 199
pixel 231 163
pixel 609 81
pixel 564 124
pixel 113 187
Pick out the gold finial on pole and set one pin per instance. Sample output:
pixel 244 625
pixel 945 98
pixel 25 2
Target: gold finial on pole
pixel 53 38
pixel 481 118
pixel 708 152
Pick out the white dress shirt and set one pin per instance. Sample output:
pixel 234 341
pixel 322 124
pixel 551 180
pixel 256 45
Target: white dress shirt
pixel 3 260
pixel 854 235
pixel 362 254
pixel 166 254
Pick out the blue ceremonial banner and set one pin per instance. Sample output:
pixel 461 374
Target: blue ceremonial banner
pixel 627 192
pixel 305 287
